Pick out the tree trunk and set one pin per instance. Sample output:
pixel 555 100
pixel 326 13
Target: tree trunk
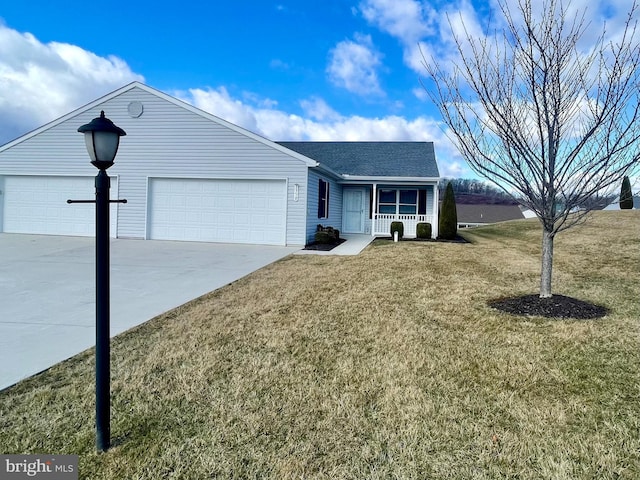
pixel 547 264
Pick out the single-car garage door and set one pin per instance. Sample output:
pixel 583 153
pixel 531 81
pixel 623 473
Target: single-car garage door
pixel 206 210
pixel 38 205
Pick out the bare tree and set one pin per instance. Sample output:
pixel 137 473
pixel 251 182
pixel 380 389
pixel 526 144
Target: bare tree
pixel 549 121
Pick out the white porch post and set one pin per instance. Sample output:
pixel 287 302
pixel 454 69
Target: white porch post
pixel 374 207
pixel 436 200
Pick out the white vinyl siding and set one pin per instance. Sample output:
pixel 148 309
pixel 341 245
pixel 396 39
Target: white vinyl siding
pixel 37 204
pixel 167 140
pixel 211 210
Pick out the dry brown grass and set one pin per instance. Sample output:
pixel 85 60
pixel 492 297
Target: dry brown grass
pixel 384 365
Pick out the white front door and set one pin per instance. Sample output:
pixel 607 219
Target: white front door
pixel 353 210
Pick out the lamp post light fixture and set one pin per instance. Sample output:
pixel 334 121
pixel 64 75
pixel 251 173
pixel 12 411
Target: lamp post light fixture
pixel 102 138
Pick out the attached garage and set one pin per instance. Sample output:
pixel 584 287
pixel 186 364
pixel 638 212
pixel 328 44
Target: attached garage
pixel 37 204
pixel 186 175
pixel 217 210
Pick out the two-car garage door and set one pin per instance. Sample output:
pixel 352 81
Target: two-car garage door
pixel 217 210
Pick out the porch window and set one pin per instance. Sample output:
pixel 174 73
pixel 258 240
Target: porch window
pixel 323 199
pixel 408 203
pixel 394 202
pixel 387 201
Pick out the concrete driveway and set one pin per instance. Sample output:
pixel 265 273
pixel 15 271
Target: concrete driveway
pixel 47 290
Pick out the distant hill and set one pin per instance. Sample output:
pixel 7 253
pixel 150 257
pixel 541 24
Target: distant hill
pixel 480 199
pixel 476 192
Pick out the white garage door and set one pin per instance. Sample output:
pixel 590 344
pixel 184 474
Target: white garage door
pixel 232 211
pixel 38 205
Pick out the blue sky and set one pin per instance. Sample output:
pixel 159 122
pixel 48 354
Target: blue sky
pixel 288 70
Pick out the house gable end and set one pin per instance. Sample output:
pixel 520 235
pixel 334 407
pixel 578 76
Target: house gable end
pixel 137 85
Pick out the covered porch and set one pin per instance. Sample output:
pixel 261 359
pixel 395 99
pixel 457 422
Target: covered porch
pixel 409 203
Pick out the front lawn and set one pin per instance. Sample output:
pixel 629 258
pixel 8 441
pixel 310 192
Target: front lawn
pixel 384 365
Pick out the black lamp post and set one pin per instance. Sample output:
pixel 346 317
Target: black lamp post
pixel 102 138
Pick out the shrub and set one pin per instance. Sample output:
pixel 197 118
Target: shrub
pixel 397 227
pixel 448 221
pixel 423 230
pixel 324 237
pixel 326 234
pixel 626 197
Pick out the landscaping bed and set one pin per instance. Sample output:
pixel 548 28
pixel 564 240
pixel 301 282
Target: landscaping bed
pixel 324 246
pixel 558 306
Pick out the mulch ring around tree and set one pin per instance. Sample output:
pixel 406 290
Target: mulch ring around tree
pixel 557 306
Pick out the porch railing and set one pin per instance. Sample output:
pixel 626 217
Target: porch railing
pixel 382 223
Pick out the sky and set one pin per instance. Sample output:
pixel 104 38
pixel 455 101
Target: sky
pixel 286 69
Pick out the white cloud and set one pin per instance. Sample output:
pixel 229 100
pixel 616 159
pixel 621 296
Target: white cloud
pixel 416 55
pixel 430 24
pixel 221 104
pixel 407 20
pixel 41 82
pixel 420 93
pixel 318 109
pixel 278 64
pixel 353 65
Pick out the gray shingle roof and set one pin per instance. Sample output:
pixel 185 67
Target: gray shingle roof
pixel 488 213
pixel 374 159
